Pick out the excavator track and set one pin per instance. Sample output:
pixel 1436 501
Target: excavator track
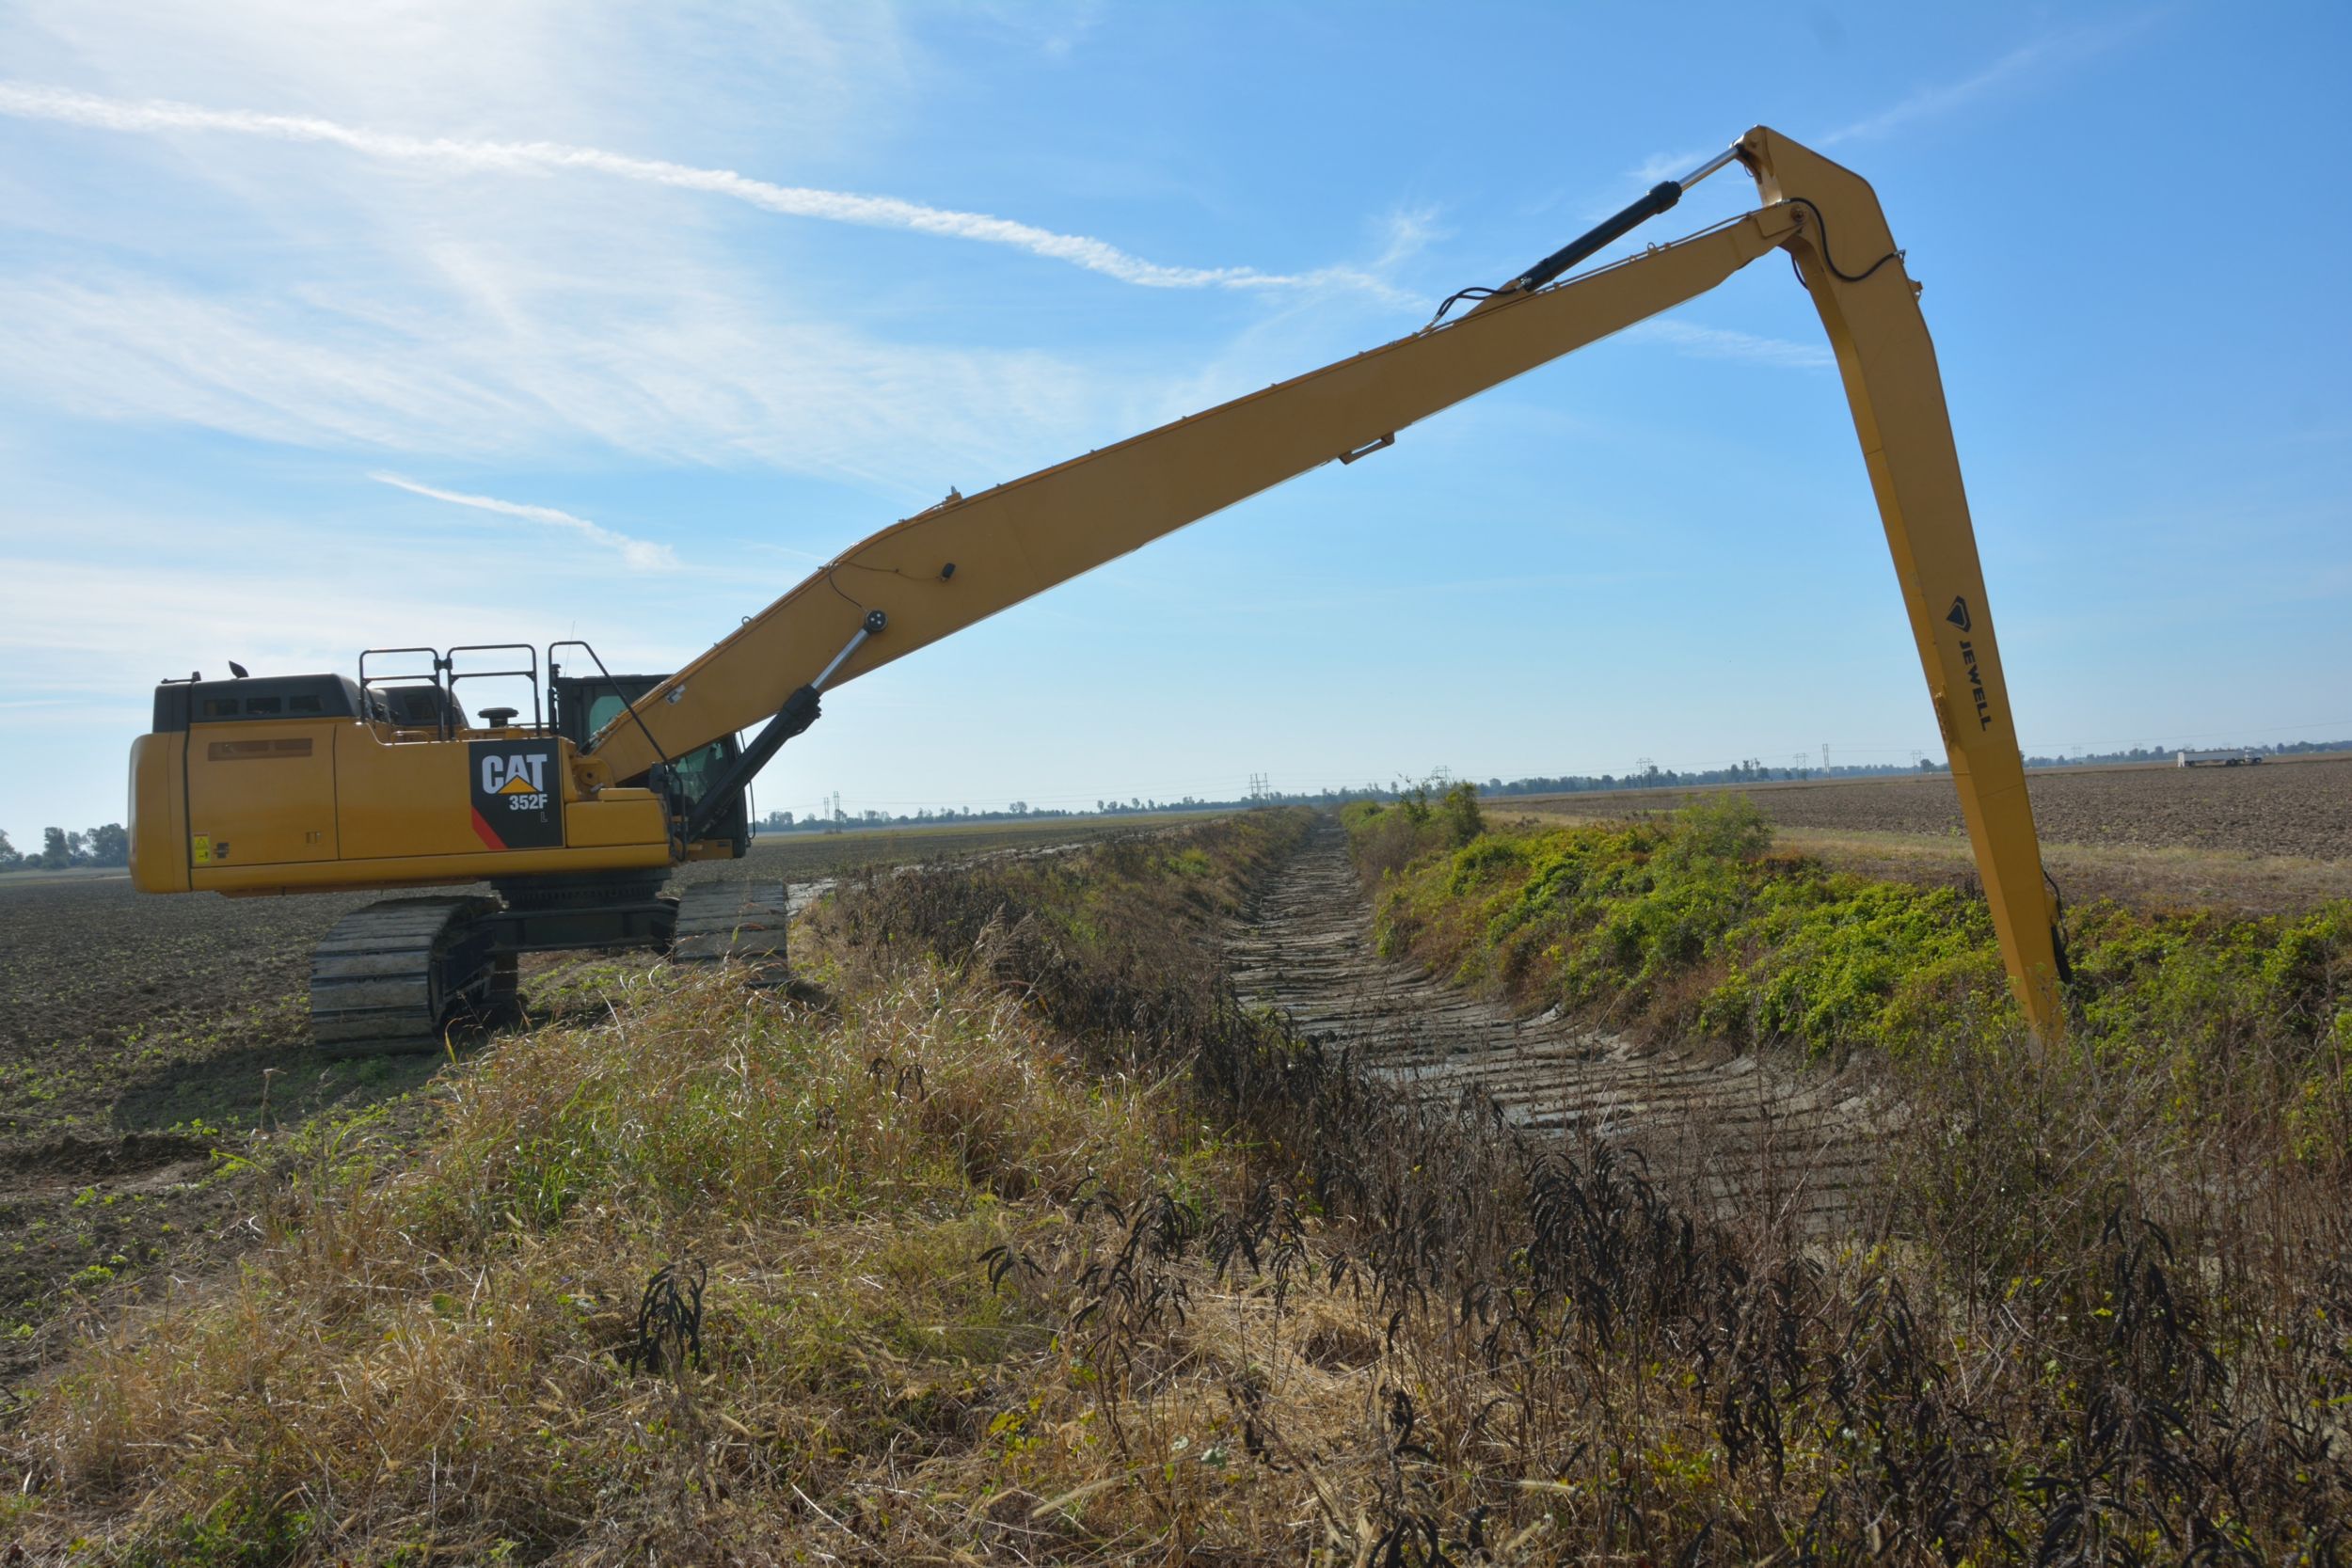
pixel 388 977
pixel 734 921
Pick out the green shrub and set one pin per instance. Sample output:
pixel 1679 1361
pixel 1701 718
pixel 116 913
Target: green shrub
pixel 1719 828
pixel 1459 814
pixel 1634 918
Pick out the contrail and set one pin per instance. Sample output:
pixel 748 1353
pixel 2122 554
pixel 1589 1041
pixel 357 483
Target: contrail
pixel 636 552
pixel 31 101
pixel 2056 49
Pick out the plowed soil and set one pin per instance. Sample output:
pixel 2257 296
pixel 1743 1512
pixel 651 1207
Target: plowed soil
pixel 2291 808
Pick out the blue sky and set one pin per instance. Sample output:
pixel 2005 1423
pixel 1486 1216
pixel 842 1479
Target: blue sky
pixel 325 327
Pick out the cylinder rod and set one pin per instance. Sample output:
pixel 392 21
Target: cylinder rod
pixel 1718 161
pixel 1660 197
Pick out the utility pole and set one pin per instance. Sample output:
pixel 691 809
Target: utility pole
pixel 1257 787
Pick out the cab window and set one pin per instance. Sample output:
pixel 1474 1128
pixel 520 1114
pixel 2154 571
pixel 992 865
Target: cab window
pixel 695 769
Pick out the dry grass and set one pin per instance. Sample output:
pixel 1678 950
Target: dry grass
pixel 446 1354
pixel 2096 1329
pixel 1047 1251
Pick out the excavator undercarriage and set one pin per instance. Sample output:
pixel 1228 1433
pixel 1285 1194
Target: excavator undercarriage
pixel 387 977
pixel 397 975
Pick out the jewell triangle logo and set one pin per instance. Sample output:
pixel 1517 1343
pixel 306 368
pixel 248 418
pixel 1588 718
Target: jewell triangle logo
pixel 1958 616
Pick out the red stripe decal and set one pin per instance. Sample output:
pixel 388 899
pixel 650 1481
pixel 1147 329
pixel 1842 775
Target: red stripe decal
pixel 482 830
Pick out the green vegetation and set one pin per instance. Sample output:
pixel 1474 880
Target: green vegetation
pixel 108 844
pixel 1690 924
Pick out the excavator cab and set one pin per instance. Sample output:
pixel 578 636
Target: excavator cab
pixel 582 704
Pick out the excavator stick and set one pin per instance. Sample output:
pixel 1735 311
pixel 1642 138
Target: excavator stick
pixel 1870 309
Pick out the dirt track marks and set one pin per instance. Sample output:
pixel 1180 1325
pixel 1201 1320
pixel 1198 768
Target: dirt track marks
pixel 1753 1139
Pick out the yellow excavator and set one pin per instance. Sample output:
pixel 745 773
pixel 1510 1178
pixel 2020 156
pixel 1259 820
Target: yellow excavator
pixel 576 819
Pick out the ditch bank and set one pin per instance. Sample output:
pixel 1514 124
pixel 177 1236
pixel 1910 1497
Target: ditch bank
pixel 1741 1138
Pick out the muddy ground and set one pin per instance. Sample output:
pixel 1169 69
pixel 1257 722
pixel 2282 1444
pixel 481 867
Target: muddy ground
pixel 140 1036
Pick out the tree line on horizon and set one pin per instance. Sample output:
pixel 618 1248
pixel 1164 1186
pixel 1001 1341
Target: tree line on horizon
pixel 107 844
pixel 1746 771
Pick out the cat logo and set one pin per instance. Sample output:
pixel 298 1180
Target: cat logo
pixel 524 773
pixel 517 798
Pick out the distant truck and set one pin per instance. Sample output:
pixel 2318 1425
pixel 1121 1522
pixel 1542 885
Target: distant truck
pixel 2228 756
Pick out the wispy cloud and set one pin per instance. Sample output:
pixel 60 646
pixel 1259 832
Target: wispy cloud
pixel 672 368
pixel 1667 165
pixel 2054 50
pixel 1723 342
pixel 60 105
pixel 639 554
pixel 762 547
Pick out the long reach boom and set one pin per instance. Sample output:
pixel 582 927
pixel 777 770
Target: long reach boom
pixel 968 558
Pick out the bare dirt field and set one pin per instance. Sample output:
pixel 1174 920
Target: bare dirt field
pixel 2274 837
pixel 139 1034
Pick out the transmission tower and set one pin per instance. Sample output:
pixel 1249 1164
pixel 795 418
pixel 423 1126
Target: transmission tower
pixel 1257 787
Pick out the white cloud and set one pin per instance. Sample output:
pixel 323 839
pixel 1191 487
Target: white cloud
pixel 523 360
pixel 641 555
pixel 2054 50
pixel 125 626
pixel 1666 165
pixel 1723 342
pixel 119 346
pixel 60 105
